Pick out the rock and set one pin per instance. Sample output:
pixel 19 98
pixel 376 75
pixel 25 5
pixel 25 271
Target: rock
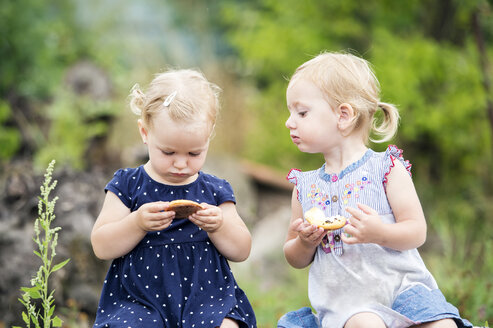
pixel 85 78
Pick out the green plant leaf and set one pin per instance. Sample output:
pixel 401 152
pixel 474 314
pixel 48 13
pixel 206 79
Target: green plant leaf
pixel 59 265
pixel 22 301
pixel 25 317
pixel 33 292
pixel 56 322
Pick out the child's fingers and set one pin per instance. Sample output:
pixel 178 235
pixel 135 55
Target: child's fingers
pixel 198 220
pixel 155 207
pixel 354 212
pixel 159 216
pixel 350 230
pixel 354 220
pixel 307 229
pixel 205 217
pixel 208 211
pixel 367 209
pixel 312 233
pixel 349 239
pixel 207 223
pixel 160 225
pixel 206 205
pixel 208 208
pixel 297 225
pixel 318 236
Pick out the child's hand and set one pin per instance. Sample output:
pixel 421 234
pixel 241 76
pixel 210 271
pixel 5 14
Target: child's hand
pixel 309 234
pixel 209 219
pixel 364 226
pixel 153 217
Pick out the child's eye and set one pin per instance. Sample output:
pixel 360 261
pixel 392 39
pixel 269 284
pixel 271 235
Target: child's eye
pixel 194 154
pixel 302 114
pixel 167 153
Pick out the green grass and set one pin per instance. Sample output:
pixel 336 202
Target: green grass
pixel 273 296
pixel 464 272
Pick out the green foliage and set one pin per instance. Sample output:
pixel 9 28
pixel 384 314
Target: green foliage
pixel 75 120
pixel 462 265
pixel 40 41
pixel 38 37
pixel 46 239
pixel 9 136
pixel 438 88
pixel 463 270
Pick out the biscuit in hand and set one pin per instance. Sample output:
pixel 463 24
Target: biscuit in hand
pixel 184 207
pixel 317 217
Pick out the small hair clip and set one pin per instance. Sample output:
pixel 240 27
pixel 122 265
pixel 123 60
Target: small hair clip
pixel 169 99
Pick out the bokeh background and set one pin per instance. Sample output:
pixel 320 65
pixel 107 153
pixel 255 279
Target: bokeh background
pixel 67 66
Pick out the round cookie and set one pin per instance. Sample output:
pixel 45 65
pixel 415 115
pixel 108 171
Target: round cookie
pixel 317 217
pixel 184 208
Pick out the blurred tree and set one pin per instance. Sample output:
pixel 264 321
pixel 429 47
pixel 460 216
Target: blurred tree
pixel 36 42
pixel 479 33
pixel 40 41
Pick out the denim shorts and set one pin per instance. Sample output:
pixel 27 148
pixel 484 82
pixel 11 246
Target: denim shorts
pixel 302 318
pixel 417 303
pixel 423 305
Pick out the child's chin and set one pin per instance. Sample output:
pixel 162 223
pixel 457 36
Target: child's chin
pixel 306 149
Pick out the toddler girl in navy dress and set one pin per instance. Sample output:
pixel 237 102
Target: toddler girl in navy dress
pixel 369 273
pixel 169 271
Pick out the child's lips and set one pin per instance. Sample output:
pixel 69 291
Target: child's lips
pixel 295 139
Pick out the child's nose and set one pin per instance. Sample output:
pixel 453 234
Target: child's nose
pixel 289 123
pixel 180 162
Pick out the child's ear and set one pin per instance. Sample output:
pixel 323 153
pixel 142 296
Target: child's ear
pixel 345 114
pixel 142 130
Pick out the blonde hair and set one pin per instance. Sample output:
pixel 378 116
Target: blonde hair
pixel 185 94
pixel 346 78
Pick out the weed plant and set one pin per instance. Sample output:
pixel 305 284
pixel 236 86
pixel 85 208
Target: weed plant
pixel 38 299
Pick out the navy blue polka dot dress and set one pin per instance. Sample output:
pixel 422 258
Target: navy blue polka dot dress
pixel 174 277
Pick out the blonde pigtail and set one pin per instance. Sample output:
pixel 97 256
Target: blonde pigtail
pixel 137 100
pixel 387 128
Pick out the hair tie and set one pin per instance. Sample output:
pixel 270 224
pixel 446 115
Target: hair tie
pixel 135 91
pixel 169 98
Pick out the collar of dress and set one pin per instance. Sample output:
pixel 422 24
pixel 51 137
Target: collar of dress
pixel 334 177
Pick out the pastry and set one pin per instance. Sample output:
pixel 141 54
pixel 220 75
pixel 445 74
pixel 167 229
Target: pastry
pixel 317 217
pixel 184 208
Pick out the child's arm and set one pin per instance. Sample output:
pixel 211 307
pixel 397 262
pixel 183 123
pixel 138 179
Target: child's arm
pixel 302 239
pixel 408 232
pixel 117 230
pixel 226 230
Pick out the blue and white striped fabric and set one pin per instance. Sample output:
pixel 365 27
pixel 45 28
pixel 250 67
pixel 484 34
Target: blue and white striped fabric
pixel 362 182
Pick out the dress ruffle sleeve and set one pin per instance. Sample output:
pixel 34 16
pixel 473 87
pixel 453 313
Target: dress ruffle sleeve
pixel 293 177
pixel 393 154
